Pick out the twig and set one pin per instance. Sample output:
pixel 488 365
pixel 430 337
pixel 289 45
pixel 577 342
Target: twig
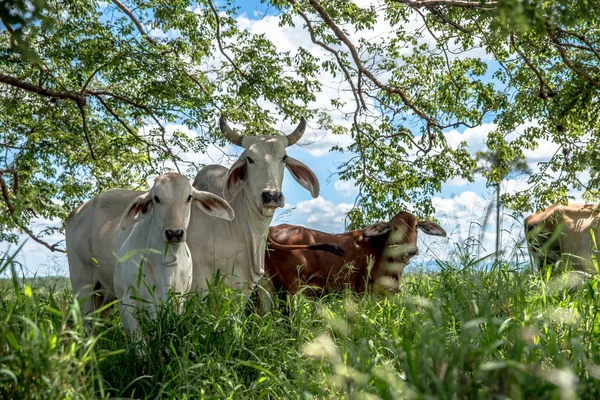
pixel 568 62
pixel 219 42
pixel 130 131
pixel 11 208
pixel 86 132
pixel 450 3
pixel 528 62
pixel 357 94
pixel 134 20
pixel 344 39
pixel 11 32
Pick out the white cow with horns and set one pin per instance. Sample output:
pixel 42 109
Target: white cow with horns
pixel 253 188
pixel 236 248
pixel 125 223
pixel 151 241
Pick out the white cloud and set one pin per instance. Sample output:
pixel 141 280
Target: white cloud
pixel 320 214
pixel 475 138
pixel 347 188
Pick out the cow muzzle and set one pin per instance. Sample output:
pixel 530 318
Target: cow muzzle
pixel 272 199
pixel 175 235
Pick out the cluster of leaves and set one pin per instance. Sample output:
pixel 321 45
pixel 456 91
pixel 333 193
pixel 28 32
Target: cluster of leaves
pixel 72 116
pixel 532 68
pixel 89 111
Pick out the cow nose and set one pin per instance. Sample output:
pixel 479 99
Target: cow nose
pixel 270 197
pixel 414 252
pixel 174 235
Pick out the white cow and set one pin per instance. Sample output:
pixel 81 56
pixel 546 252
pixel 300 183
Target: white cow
pixel 253 188
pixel 106 225
pixel 236 248
pixel 151 241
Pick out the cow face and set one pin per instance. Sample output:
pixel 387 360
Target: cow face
pixel 400 238
pixel 169 204
pixel 259 170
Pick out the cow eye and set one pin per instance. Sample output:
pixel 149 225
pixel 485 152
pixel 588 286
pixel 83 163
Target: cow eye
pixel 156 199
pixel 284 159
pixel 251 161
pixel 189 198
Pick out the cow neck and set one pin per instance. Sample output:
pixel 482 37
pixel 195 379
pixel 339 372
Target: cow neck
pixel 253 231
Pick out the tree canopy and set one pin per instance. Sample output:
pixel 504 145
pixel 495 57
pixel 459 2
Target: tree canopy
pixel 86 89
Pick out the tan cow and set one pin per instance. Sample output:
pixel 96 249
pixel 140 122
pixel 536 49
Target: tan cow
pixel 563 232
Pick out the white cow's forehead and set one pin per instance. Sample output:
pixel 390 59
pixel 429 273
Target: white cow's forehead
pixel 264 145
pixel 171 183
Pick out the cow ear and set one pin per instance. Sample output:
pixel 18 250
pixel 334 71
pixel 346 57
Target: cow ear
pixel 136 211
pixel 303 175
pixel 379 229
pixel 431 228
pixel 213 205
pixel 236 178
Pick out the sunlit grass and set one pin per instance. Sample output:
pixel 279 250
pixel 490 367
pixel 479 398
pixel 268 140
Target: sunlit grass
pixel 461 332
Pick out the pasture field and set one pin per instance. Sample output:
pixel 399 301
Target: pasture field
pixel 461 332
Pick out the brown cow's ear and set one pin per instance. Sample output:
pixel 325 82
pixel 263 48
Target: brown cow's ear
pixel 236 178
pixel 303 175
pixel 379 229
pixel 136 211
pixel 431 228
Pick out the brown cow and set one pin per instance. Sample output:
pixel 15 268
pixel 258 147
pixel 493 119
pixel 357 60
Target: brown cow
pixel 292 260
pixel 563 230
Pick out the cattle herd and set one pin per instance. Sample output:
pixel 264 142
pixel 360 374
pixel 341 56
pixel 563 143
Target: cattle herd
pixel 136 246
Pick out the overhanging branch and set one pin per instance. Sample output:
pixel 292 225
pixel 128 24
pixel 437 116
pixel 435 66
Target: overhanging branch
pixel 490 5
pixel 78 98
pixel 11 209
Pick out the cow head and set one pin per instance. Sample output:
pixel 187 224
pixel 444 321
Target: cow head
pixel 169 203
pixel 398 240
pixel 260 168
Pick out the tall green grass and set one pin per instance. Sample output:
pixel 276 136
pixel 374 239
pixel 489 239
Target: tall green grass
pixel 462 332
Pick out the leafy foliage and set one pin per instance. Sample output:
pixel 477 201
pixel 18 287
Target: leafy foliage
pixel 531 68
pixel 88 112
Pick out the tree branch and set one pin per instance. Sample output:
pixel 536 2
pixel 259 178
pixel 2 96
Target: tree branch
pixel 150 113
pixel 134 20
pixel 11 208
pixel 538 74
pixel 354 53
pixel 219 42
pixel 357 94
pixel 490 5
pixel 86 131
pixel 438 13
pixel 569 63
pixel 79 98
pixel 129 130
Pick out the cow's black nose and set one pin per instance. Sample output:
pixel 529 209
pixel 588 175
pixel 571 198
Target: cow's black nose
pixel 413 252
pixel 174 235
pixel 271 197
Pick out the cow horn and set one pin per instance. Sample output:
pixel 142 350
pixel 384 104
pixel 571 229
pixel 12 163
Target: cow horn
pixel 229 133
pixel 298 132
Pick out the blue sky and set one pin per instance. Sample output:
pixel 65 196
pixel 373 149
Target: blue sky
pixel 460 205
